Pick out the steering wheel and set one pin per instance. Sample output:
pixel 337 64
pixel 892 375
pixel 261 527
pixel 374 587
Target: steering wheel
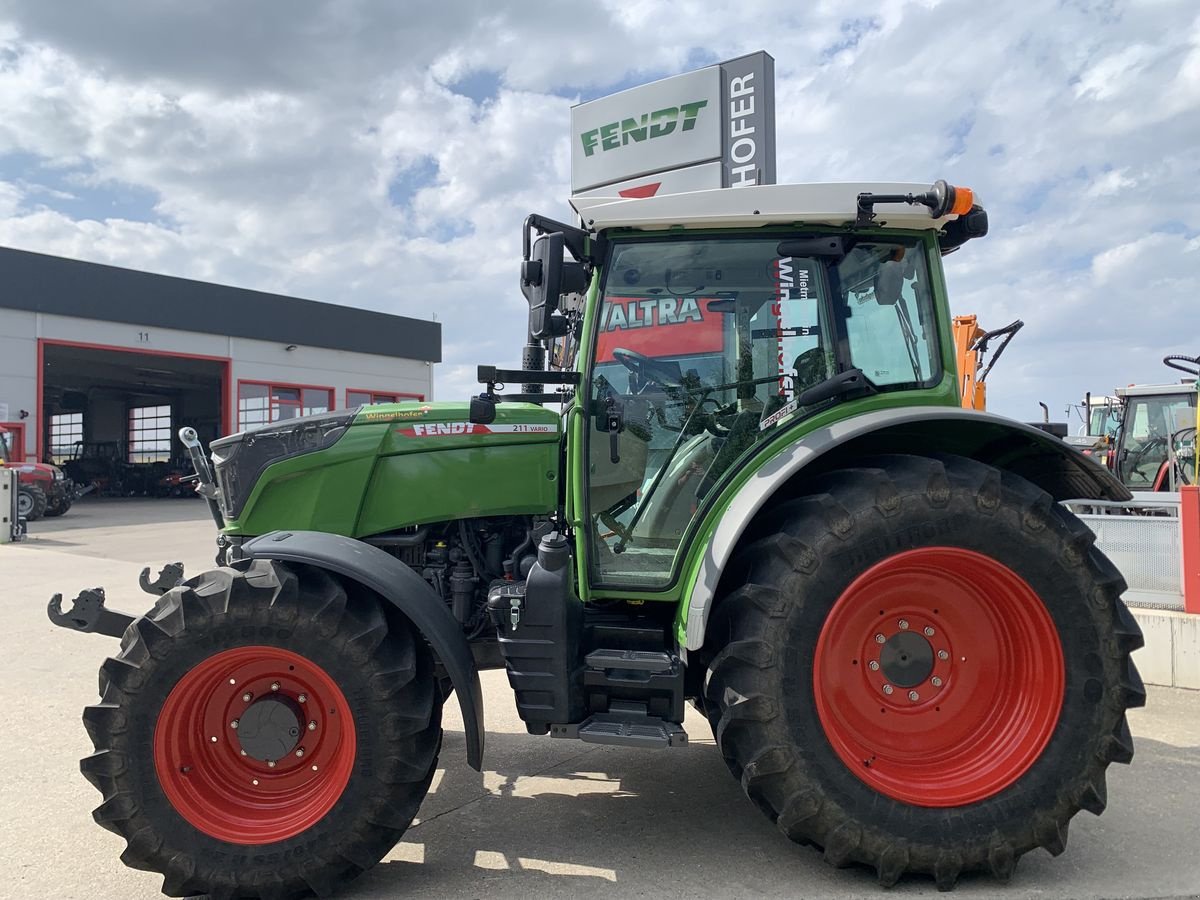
pixel 1136 463
pixel 649 369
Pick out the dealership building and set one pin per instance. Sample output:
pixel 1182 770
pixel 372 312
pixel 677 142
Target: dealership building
pixel 94 355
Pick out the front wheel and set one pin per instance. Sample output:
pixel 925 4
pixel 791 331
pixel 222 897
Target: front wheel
pixel 59 506
pixel 924 666
pixel 263 733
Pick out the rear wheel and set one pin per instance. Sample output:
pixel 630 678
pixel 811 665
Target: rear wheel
pixel 924 667
pixel 31 502
pixel 263 734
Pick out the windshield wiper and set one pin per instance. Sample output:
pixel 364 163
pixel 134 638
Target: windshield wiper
pixel 847 382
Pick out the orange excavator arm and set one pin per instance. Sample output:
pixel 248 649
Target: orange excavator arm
pixel 970 350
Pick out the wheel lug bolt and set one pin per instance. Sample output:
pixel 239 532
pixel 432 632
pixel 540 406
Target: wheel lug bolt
pixel 942 654
pixel 312 726
pixel 887 688
pixel 879 639
pixel 274 685
pixel 314 768
pixel 935 681
pixel 233 724
pixel 247 697
pixel 242 752
pixel 254 781
pixel 928 631
pixel 903 623
pixel 302 698
pixel 233 681
pixel 213 739
pixel 914 696
pixel 300 752
pixel 873 666
pixel 270 763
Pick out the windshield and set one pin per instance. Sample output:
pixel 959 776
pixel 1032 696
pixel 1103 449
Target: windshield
pixel 704 346
pixel 1157 427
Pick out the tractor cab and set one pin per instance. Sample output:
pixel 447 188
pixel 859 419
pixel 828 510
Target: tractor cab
pixel 715 321
pixel 1156 442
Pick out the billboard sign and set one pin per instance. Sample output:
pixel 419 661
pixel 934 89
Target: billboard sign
pixel 659 327
pixel 717 124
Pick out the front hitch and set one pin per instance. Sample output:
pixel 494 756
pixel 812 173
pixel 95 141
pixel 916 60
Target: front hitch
pixel 89 614
pixel 171 575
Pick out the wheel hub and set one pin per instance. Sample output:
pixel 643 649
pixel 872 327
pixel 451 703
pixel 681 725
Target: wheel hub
pixel 906 659
pixel 270 729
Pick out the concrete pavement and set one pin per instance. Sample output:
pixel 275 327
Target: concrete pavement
pixel 546 817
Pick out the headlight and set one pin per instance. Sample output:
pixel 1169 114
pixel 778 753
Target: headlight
pixel 58 474
pixel 239 460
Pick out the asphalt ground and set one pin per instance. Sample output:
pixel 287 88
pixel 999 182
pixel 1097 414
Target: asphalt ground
pixel 545 817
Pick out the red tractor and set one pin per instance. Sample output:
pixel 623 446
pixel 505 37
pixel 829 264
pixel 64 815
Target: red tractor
pixel 43 489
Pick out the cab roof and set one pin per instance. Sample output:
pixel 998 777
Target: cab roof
pixel 765 204
pixel 1144 390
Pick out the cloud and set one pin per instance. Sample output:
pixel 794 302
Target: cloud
pixel 384 155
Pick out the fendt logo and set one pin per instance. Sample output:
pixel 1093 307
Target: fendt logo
pixel 648 126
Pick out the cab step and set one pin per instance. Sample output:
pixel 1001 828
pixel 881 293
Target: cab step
pixel 636 660
pixel 625 728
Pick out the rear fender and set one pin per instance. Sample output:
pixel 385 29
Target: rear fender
pixel 1047 461
pixel 407 591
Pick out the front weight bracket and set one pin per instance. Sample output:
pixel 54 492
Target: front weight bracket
pixel 88 614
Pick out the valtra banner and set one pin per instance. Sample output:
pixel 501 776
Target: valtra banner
pixel 659 326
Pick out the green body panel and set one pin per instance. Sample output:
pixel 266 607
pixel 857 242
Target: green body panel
pixel 401 464
pixel 319 491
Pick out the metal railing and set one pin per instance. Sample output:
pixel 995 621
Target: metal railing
pixel 1143 538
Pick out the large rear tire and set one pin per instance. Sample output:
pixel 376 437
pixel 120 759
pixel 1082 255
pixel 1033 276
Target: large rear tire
pixel 31 502
pixel 263 734
pixel 923 666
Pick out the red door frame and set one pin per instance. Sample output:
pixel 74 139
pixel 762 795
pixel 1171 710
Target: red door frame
pixel 17 445
pixel 399 395
pixel 226 378
pixel 270 385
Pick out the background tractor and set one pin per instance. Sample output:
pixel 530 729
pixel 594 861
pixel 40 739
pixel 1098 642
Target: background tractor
pixel 744 481
pixel 42 489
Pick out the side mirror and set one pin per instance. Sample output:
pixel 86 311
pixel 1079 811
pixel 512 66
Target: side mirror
pixel 483 410
pixel 888 282
pixel 545 277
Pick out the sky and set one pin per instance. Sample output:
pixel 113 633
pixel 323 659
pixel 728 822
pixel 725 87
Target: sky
pixel 384 155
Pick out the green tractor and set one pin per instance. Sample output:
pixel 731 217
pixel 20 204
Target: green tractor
pixel 732 472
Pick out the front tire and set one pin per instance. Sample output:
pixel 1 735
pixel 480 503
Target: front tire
pixel 59 507
pixel 263 733
pixel 923 666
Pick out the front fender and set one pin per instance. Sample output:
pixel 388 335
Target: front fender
pixel 1039 457
pixel 404 589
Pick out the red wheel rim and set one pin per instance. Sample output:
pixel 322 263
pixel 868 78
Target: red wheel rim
pixel 231 795
pixel 961 721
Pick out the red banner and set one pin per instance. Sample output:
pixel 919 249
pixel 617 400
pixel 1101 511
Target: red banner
pixel 659 326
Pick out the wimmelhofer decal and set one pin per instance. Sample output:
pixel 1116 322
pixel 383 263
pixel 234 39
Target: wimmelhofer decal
pixel 455 429
pixel 418 413
pixel 391 417
pixel 782 413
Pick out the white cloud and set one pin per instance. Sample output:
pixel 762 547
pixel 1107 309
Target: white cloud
pixel 321 150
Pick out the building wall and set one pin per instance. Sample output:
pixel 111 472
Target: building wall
pixel 252 360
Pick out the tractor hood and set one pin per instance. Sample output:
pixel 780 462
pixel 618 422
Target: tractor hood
pixel 35 471
pixel 418 427
pixel 388 466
